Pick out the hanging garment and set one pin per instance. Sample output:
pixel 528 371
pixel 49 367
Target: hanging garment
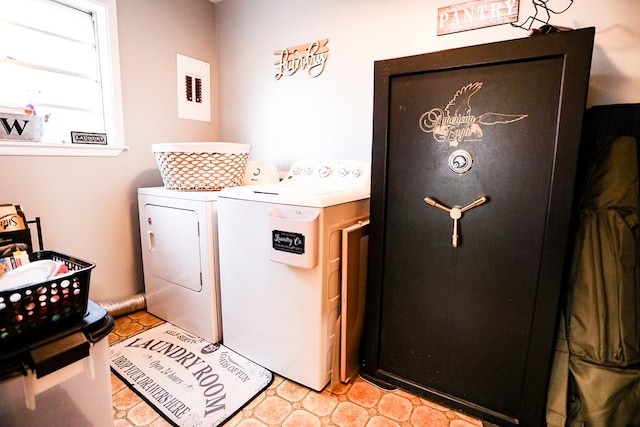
pixel 556 414
pixel 603 305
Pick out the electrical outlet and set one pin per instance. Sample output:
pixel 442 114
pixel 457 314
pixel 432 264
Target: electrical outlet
pixel 194 89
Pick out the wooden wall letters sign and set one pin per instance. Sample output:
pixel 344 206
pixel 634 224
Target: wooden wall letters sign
pixel 476 14
pixel 311 57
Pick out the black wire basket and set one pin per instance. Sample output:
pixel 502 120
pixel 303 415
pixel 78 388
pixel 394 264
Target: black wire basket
pixel 43 307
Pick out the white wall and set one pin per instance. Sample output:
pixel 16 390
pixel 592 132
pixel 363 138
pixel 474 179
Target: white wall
pixel 330 116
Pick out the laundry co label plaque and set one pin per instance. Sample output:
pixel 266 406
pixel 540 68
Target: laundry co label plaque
pixel 287 241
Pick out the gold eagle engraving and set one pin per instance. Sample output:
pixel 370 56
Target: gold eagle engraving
pixel 456 123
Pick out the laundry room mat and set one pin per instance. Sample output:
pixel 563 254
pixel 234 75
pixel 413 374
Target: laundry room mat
pixel 189 381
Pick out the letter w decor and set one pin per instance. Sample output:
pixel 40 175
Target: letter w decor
pixel 476 14
pixel 311 57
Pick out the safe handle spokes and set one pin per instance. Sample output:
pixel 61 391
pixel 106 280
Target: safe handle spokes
pixel 455 213
pixel 433 202
pixel 473 204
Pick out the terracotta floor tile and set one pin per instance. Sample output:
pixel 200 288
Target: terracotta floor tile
pixel 160 422
pixel 277 380
pixel 142 414
pixel 341 388
pixel 256 400
pixel 128 329
pixel 301 418
pixel 149 320
pixel 139 315
pixel 251 423
pixel 395 407
pixel 119 321
pixel 423 416
pixel 122 423
pixel 364 394
pixel 379 421
pixel 464 423
pixel 116 384
pixel 273 410
pixel 125 399
pixel 320 404
pixel 348 414
pixel 291 391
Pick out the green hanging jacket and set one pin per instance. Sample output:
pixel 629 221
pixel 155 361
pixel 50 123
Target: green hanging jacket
pixel 603 311
pixel 603 304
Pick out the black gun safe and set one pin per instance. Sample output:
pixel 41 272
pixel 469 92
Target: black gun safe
pixel 473 171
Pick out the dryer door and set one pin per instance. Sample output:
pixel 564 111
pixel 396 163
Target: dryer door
pixel 172 245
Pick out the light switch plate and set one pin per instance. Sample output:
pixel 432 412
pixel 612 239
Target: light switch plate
pixel 194 89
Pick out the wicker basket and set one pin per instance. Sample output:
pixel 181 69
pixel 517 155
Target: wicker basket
pixel 201 166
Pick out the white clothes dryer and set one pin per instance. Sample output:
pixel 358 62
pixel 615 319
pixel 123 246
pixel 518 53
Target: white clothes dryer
pixel 280 257
pixel 179 239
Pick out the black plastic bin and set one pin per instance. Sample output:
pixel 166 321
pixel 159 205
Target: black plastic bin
pixel 37 309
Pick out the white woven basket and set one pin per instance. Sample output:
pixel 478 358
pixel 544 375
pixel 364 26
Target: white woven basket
pixel 201 166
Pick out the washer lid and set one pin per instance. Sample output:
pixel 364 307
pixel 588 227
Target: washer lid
pixel 279 194
pixel 313 184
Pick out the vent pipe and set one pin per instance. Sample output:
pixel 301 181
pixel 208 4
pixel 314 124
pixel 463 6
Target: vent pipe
pixel 129 305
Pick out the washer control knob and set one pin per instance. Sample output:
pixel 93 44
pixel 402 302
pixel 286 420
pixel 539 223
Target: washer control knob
pixel 356 172
pixel 343 172
pixel 296 170
pixel 325 171
pixel 308 170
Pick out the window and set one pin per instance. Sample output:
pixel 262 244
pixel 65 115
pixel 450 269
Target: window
pixel 59 61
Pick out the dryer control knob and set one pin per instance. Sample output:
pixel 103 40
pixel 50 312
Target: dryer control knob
pixel 356 172
pixel 343 172
pixel 325 171
pixel 308 170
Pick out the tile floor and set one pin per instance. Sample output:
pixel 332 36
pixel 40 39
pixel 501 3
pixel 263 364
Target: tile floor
pixel 288 404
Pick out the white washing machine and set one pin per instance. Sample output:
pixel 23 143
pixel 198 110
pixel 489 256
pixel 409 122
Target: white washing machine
pixel 280 257
pixel 179 239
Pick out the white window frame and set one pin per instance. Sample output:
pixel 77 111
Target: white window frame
pixel 107 28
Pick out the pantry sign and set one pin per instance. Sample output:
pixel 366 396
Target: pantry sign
pixel 310 58
pixel 476 14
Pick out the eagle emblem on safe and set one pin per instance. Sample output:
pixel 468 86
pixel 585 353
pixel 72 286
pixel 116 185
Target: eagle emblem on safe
pixel 456 123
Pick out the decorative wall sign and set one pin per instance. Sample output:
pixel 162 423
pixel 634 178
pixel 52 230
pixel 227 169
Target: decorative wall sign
pixel 24 127
pixel 476 14
pixel 88 138
pixel 455 123
pixel 311 57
